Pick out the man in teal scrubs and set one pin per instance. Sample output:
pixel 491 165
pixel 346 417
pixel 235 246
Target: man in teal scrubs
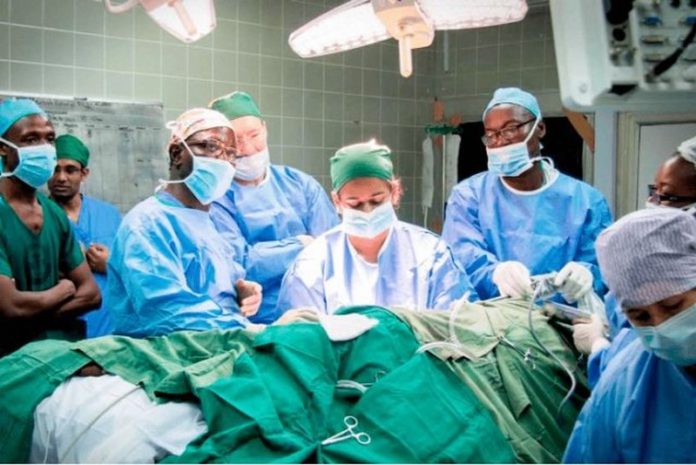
pixel 45 282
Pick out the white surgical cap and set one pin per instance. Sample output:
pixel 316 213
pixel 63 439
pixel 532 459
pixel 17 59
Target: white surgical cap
pixel 687 150
pixel 649 255
pixel 197 119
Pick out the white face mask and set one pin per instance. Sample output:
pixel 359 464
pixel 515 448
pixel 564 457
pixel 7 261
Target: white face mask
pixel 252 167
pixel 368 225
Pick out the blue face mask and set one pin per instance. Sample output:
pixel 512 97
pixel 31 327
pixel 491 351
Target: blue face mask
pixel 513 159
pixel 36 164
pixel 209 179
pixel 368 225
pixel 674 339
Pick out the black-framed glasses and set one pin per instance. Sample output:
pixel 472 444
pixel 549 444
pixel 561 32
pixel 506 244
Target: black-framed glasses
pixel 653 195
pixel 214 148
pixel 507 133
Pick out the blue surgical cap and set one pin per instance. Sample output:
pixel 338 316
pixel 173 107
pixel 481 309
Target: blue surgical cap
pixel 14 109
pixel 514 96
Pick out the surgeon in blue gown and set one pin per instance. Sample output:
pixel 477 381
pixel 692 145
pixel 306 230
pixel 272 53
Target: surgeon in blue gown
pixel 169 268
pixel 271 212
pixel 643 410
pixel 522 217
pixel 674 186
pixel 94 221
pixel 372 258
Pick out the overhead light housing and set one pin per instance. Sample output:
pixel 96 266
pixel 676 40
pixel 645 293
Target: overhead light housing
pixel 187 20
pixel 412 22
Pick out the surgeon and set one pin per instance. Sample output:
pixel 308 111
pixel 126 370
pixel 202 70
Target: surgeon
pixel 522 217
pixel 169 269
pixel 270 212
pixel 372 258
pixel 675 181
pixel 45 282
pixel 642 409
pixel 94 221
pixel 674 187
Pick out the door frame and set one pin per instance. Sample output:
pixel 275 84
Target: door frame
pixel 628 146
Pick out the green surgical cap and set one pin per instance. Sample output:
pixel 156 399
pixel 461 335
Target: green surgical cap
pixel 364 160
pixel 236 105
pixel 71 148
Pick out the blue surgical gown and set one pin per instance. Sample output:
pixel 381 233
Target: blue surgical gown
pixel 615 315
pixel 486 223
pixel 642 410
pixel 620 333
pixel 97 224
pixel 170 270
pixel 598 361
pixel 416 270
pixel 262 223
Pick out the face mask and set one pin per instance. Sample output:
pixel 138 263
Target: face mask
pixel 209 178
pixel 673 340
pixel 368 225
pixel 36 163
pixel 513 159
pixel 252 167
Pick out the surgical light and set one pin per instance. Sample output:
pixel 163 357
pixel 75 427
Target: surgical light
pixel 187 20
pixel 411 22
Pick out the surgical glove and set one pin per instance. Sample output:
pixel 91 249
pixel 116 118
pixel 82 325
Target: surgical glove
pixel 298 315
pixel 305 239
pixel 249 295
pixel 589 335
pixel 512 279
pixel 574 281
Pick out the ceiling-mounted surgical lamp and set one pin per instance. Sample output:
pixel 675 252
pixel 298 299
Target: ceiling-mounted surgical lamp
pixel 412 22
pixel 187 20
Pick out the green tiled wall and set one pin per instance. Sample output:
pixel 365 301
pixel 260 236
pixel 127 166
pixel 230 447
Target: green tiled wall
pixel 77 48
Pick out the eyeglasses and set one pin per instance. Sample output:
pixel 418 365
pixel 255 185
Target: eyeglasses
pixel 214 148
pixel 507 133
pixel 653 195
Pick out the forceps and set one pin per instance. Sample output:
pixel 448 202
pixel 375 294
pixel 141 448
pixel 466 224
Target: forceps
pixel 348 433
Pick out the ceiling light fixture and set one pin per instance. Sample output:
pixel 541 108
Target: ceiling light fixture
pixel 412 22
pixel 187 20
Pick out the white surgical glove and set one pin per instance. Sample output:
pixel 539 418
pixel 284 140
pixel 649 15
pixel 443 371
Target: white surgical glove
pixel 589 335
pixel 298 315
pixel 574 281
pixel 305 239
pixel 512 279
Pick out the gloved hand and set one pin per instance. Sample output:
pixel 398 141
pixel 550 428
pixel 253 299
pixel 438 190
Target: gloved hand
pixel 574 281
pixel 589 335
pixel 298 315
pixel 512 279
pixel 305 239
